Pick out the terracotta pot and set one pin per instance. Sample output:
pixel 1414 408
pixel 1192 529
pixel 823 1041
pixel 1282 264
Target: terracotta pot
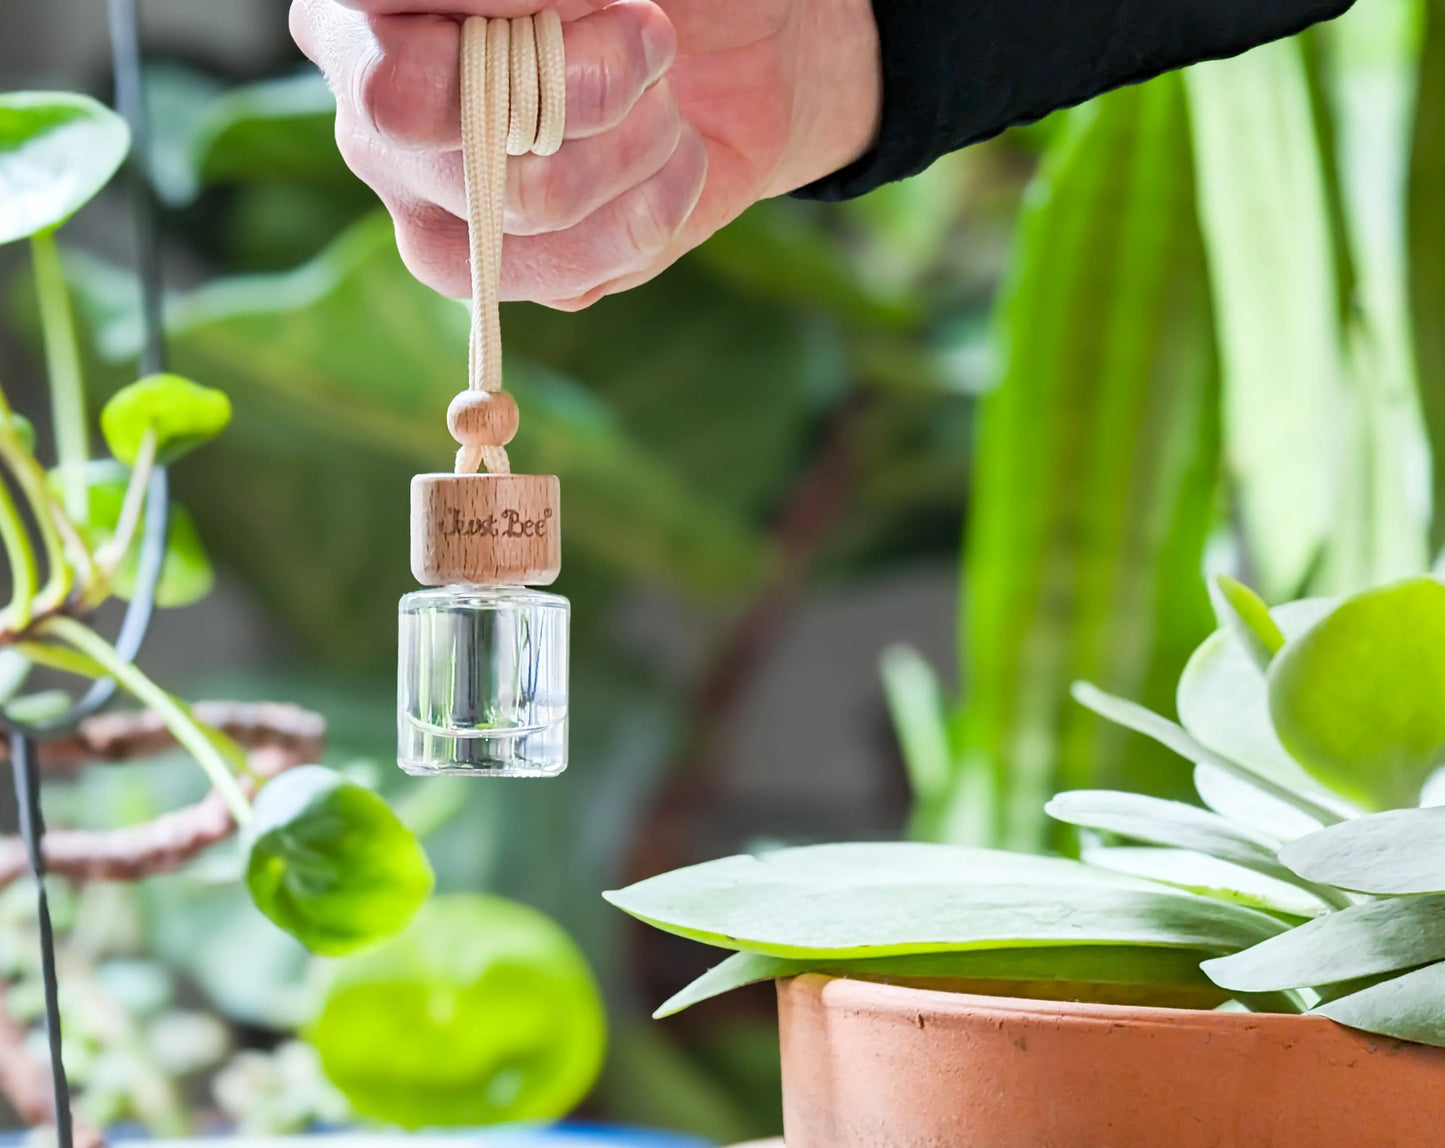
pixel 868 1065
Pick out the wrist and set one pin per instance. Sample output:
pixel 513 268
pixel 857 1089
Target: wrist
pixel 838 91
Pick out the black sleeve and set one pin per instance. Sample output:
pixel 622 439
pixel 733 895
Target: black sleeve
pixel 959 71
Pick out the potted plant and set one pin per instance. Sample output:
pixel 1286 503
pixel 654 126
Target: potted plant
pixel 1267 968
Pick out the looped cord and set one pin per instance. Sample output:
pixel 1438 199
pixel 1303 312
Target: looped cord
pixel 514 98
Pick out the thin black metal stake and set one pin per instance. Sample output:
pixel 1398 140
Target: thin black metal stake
pixel 32 830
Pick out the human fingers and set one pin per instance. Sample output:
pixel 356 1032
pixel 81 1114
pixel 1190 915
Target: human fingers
pixel 398 73
pixel 628 235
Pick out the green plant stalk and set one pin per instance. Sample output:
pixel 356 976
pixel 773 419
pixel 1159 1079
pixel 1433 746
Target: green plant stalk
pixel 62 362
pixel 111 555
pixel 21 554
pixel 62 659
pixel 198 741
pixel 48 517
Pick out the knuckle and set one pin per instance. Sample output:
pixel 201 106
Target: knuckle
pixel 405 87
pixel 432 244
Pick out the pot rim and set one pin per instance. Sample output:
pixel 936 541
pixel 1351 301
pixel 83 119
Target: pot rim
pixel 856 995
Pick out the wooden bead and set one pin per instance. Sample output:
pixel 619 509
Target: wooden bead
pixel 482 418
pixel 486 529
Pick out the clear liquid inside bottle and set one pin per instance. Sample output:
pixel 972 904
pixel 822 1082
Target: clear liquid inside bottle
pixel 482 682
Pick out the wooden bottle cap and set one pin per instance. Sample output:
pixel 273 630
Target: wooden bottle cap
pixel 486 529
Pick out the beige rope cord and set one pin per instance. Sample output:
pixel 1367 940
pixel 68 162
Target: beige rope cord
pixel 514 95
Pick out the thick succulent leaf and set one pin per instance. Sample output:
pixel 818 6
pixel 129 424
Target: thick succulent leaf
pixel 180 413
pixel 1081 968
pixel 884 899
pixel 1357 699
pixel 1306 796
pixel 14 669
pixel 484 1008
pixel 1397 852
pixel 1223 699
pixel 329 862
pixel 1243 613
pixel 1094 485
pixel 57 149
pixel 1361 941
pixel 1408 1007
pixel 1169 823
pixel 1263 209
pixel 1201 873
pixel 1244 803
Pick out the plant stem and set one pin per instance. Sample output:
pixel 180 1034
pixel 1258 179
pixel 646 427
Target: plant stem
pixel 62 361
pixel 22 562
pixel 110 556
pixel 47 514
pixel 59 658
pixel 197 740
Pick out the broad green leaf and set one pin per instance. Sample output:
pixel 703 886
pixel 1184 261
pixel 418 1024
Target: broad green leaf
pixel 1401 851
pixel 1239 800
pixel 915 702
pixel 1083 970
pixel 1264 213
pixel 57 149
pixel 1408 1007
pixel 1426 252
pixel 1209 876
pixel 782 250
pixel 879 899
pixel 1243 613
pixel 1361 941
pixel 482 1012
pixel 330 863
pixel 1094 484
pixel 1357 699
pixel 283 129
pixel 1169 823
pixel 186 574
pixel 180 413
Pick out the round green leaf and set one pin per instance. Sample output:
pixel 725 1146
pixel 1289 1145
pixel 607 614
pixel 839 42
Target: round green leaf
pixel 1223 699
pixel 1357 700
pixel 57 149
pixel 329 862
pixel 483 1011
pixel 182 413
pixel 186 574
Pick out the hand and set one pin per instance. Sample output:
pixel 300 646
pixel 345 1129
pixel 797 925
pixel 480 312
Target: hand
pixel 680 114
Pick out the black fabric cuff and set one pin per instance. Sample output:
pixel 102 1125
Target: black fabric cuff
pixel 959 71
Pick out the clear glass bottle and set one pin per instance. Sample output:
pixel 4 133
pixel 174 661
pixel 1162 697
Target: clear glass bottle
pixel 482 682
